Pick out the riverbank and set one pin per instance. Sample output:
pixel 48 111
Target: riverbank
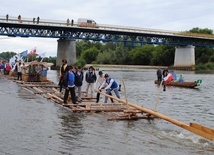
pixel 125 66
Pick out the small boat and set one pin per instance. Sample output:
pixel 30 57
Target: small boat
pixel 194 84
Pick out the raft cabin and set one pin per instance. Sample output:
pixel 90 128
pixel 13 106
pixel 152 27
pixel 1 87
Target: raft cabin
pixel 35 71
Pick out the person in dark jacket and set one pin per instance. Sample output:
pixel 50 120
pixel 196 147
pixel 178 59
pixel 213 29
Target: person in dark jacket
pixel 159 74
pixel 78 82
pixel 62 71
pixel 90 79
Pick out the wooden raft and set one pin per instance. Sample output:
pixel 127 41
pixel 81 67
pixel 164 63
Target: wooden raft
pixel 127 111
pixel 116 110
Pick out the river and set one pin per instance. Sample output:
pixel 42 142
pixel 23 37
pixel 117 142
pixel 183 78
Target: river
pixel 33 125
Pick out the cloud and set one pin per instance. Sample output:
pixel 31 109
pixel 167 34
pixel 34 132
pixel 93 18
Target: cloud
pixel 177 15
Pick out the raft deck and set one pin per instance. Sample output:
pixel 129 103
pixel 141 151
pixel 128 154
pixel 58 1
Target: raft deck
pixel 117 110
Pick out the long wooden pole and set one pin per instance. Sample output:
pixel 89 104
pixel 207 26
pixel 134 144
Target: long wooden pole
pixel 125 91
pixel 192 128
pixel 158 96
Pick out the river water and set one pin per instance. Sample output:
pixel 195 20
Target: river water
pixel 31 124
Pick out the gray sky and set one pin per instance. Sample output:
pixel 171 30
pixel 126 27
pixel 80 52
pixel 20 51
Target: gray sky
pixel 177 15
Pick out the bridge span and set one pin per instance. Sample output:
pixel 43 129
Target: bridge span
pixel 68 32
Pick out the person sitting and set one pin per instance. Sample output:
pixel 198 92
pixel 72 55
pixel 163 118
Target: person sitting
pixel 181 79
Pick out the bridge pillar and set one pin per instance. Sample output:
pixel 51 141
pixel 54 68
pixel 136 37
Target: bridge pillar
pixel 66 50
pixel 184 56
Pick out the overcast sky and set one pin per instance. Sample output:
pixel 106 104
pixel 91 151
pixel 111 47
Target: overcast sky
pixel 178 15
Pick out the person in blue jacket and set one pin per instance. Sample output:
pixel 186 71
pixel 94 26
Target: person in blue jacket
pixel 69 85
pixel 110 84
pixel 181 79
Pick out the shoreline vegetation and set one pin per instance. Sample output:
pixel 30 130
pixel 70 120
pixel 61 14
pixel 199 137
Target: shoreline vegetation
pixel 208 67
pixel 125 66
pixel 201 68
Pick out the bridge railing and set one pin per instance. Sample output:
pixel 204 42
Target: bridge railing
pixel 137 29
pixel 61 23
pixel 13 19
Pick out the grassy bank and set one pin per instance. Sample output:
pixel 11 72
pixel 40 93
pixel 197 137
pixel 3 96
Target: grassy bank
pixel 208 66
pixel 124 66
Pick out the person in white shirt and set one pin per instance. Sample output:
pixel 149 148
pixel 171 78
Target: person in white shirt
pixel 19 70
pixel 109 84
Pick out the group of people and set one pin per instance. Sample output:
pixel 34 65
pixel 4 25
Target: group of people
pixel 35 20
pixel 71 78
pixel 4 68
pixel 167 76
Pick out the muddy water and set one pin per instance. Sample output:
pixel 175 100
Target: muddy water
pixel 30 124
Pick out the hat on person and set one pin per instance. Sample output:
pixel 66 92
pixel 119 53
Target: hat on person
pixel 69 67
pixel 91 67
pixel 100 72
pixel 106 75
pixel 64 60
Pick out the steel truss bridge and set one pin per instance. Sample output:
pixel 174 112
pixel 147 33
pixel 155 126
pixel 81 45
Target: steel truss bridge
pixel 106 33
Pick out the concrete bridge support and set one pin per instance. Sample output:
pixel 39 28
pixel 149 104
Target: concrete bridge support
pixel 66 50
pixel 184 56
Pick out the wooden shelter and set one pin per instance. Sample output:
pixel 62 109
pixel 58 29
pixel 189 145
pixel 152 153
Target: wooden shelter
pixel 35 71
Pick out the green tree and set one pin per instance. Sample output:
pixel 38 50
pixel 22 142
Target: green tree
pixel 202 31
pixel 50 59
pixel 80 62
pixel 163 55
pixel 202 54
pixel 6 55
pixel 141 55
pixel 90 54
pixel 82 46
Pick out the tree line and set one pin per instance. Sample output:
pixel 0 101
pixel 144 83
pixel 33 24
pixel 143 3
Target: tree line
pixel 90 52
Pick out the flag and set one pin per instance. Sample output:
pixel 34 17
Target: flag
pixel 32 52
pixel 168 78
pixel 12 60
pixel 18 56
pixel 24 53
pixel 42 55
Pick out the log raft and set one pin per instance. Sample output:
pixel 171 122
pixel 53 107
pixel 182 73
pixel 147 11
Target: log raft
pixel 49 91
pixel 121 109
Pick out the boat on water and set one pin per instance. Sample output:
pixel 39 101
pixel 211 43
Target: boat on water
pixel 34 71
pixel 194 84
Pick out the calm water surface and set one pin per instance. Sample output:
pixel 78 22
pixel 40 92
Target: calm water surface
pixel 30 124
